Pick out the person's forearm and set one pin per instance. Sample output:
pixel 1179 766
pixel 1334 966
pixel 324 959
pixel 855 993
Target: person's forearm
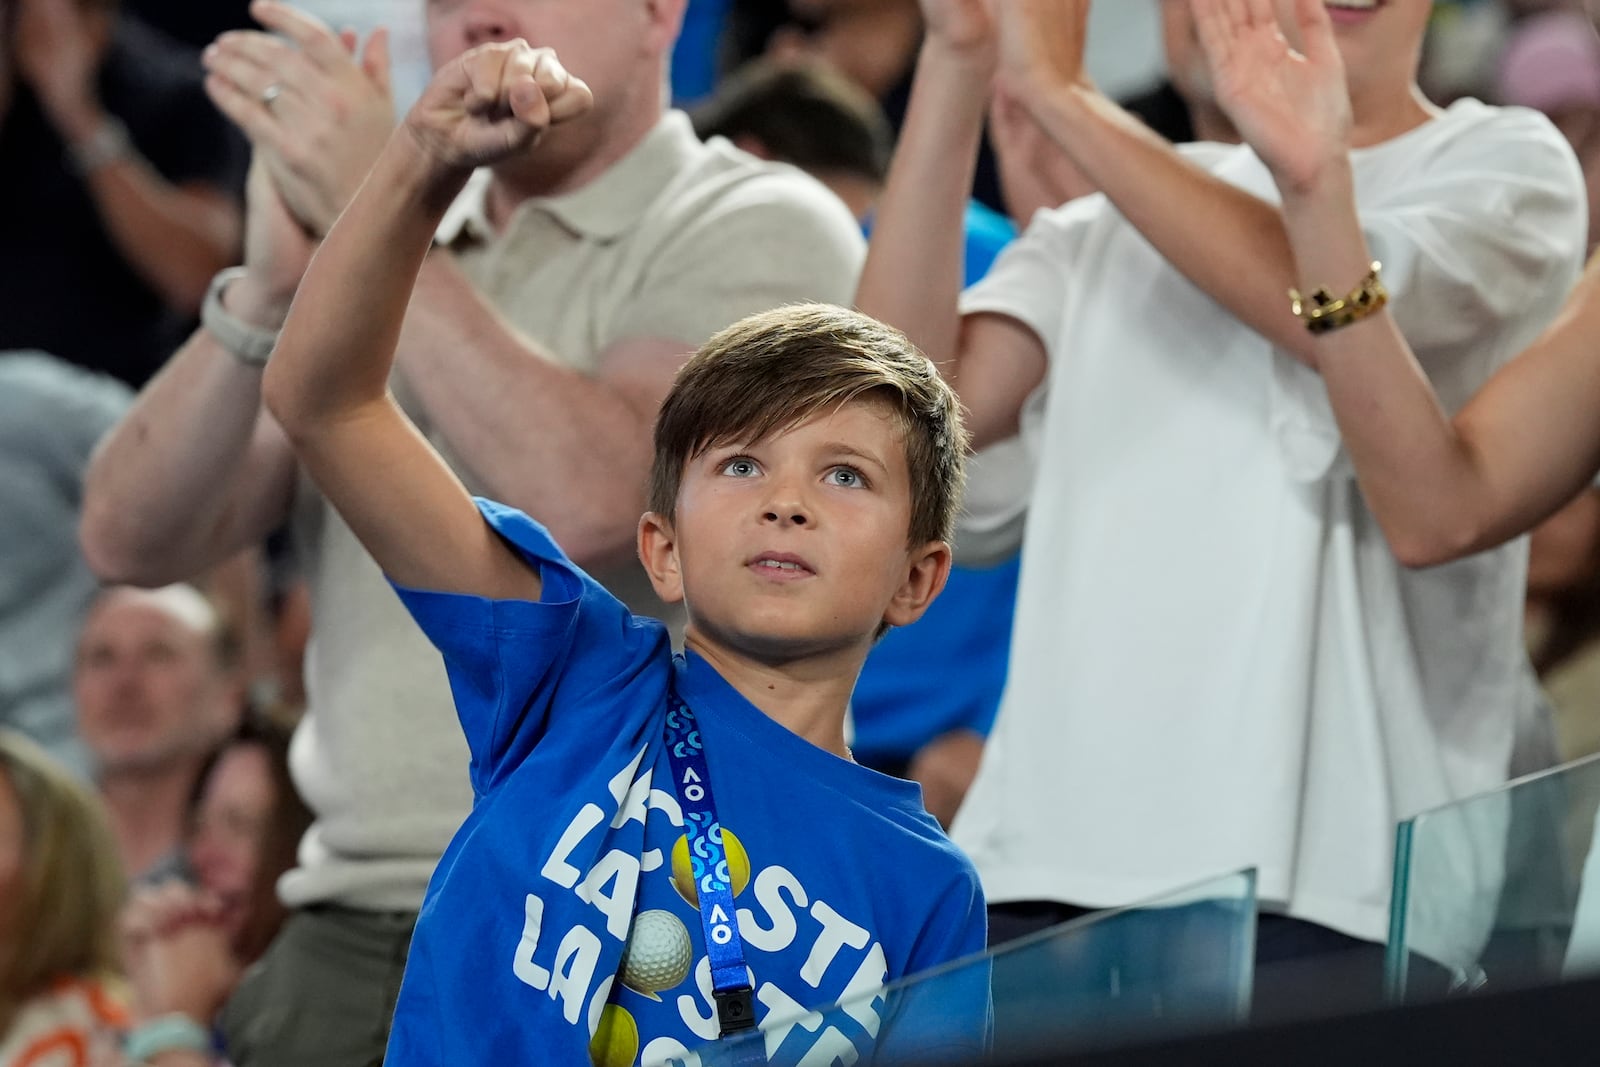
pixel 912 277
pixel 516 411
pixel 336 350
pixel 174 237
pixel 1415 472
pixel 157 502
pixel 1228 242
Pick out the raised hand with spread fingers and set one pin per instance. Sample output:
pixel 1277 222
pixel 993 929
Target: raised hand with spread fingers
pixel 316 105
pixel 1042 45
pixel 1292 106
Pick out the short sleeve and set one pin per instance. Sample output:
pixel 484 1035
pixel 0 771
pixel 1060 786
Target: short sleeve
pixel 944 1014
pixel 994 509
pixel 1030 281
pixel 774 239
pixel 1480 238
pixel 516 666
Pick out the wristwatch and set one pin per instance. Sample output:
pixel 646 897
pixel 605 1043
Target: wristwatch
pixel 248 344
pixel 108 143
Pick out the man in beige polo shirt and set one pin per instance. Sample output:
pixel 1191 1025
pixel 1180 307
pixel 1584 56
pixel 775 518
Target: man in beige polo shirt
pixel 567 287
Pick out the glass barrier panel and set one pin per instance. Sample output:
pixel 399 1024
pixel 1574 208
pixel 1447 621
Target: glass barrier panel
pixel 1172 965
pixel 1500 890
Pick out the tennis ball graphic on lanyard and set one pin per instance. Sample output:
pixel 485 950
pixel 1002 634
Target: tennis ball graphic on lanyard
pixel 659 953
pixel 684 868
pixel 616 1040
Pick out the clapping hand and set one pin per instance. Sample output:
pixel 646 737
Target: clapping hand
pixel 1042 46
pixel 493 102
pixel 317 111
pixel 965 27
pixel 1292 107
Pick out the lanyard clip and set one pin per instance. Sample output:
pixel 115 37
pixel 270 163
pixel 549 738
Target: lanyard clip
pixel 736 1010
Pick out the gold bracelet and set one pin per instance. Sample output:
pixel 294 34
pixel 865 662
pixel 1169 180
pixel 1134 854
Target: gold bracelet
pixel 1322 313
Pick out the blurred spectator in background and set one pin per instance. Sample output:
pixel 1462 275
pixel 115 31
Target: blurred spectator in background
pixel 874 43
pixel 156 694
pixel 805 113
pixel 188 944
pixel 60 888
pixel 245 824
pixel 118 197
pixel 1552 63
pixel 51 415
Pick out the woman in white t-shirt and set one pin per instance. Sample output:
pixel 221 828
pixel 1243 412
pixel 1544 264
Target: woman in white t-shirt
pixel 1441 488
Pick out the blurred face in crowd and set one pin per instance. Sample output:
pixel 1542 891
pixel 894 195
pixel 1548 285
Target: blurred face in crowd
pixel 619 47
pixel 150 686
pixel 230 826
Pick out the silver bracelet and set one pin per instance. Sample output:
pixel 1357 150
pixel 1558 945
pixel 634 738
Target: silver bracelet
pixel 107 144
pixel 247 343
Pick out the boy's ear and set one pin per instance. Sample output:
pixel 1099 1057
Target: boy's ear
pixel 658 551
pixel 929 570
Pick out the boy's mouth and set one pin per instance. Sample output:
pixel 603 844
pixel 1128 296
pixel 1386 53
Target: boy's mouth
pixel 781 565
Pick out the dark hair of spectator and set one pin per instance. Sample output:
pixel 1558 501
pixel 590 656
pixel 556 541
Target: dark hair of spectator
pixel 286 825
pixel 805 114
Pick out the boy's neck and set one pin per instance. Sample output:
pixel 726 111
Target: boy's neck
pixel 808 697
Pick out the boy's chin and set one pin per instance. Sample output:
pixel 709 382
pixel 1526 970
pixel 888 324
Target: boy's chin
pixel 774 645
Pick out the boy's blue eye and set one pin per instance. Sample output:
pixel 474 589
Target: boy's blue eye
pixel 740 467
pixel 848 477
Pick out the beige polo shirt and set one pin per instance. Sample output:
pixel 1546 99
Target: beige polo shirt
pixel 677 240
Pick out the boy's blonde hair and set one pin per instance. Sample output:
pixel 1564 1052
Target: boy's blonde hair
pixel 777 369
pixel 62 919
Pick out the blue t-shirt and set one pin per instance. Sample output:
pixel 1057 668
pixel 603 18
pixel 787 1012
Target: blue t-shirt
pixel 843 881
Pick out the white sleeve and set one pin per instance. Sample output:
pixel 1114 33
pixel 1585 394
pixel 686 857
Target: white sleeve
pixel 1030 280
pixel 995 506
pixel 1480 238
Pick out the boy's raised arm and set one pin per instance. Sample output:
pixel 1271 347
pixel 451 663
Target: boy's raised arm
pixel 327 382
pixel 1439 488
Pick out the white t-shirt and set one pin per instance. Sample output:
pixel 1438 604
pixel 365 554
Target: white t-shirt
pixel 1217 661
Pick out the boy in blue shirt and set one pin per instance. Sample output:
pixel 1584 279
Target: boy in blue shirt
pixel 807 472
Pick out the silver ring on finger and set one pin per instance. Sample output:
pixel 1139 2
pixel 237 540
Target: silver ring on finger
pixel 270 95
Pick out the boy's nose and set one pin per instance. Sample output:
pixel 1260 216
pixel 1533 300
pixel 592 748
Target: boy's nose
pixel 786 507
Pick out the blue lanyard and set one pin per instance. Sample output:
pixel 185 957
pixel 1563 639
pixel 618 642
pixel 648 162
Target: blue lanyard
pixel 724 946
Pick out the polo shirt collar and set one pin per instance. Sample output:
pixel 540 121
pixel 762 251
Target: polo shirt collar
pixel 605 208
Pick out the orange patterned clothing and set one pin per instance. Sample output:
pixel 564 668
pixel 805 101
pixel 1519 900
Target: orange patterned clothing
pixel 80 1022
